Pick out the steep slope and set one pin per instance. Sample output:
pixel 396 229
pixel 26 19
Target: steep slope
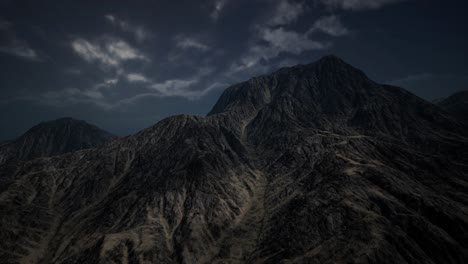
pixel 311 164
pixel 54 138
pixel 457 105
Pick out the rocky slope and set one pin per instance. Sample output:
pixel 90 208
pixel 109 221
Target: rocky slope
pixel 54 138
pixel 457 105
pixel 311 164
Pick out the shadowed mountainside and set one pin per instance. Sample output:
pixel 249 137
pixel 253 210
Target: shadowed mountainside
pixel 54 138
pixel 311 164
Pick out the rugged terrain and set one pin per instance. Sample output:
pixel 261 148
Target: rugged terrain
pixel 311 164
pixel 54 138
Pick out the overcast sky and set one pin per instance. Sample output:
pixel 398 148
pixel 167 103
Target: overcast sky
pixel 124 65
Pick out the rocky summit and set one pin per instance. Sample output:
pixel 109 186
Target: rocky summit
pixel 311 164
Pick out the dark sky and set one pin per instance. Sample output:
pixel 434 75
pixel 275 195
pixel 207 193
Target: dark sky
pixel 124 65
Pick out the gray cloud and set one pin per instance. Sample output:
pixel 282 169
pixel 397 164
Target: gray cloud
pixel 273 37
pixel 139 32
pixel 168 88
pixel 185 42
pixel 21 51
pixel 174 88
pixel 358 4
pixel 218 6
pixel 331 25
pixel 95 95
pixel 66 97
pixel 279 40
pixel 92 52
pixel 111 52
pixel 183 87
pixel 282 40
pixel 98 94
pixel 13 45
pixel 107 83
pixel 137 77
pixel 271 40
pixel 286 12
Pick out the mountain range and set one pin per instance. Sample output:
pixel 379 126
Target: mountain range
pixel 313 163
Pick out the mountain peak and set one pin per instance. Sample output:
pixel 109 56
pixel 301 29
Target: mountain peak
pixel 60 124
pixel 329 68
pixel 64 120
pixel 327 84
pixel 331 64
pixel 328 62
pixel 333 59
pixel 331 95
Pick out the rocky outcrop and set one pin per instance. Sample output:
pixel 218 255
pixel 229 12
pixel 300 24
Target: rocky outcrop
pixel 311 164
pixel 54 138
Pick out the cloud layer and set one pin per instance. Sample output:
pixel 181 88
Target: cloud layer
pixel 124 62
pixel 110 52
pixel 358 4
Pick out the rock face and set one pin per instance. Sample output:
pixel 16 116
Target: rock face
pixel 311 164
pixel 457 105
pixel 54 138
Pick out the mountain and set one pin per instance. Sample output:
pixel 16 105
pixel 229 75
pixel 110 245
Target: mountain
pixel 457 105
pixel 54 138
pixel 311 164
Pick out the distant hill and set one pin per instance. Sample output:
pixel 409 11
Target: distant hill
pixel 54 138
